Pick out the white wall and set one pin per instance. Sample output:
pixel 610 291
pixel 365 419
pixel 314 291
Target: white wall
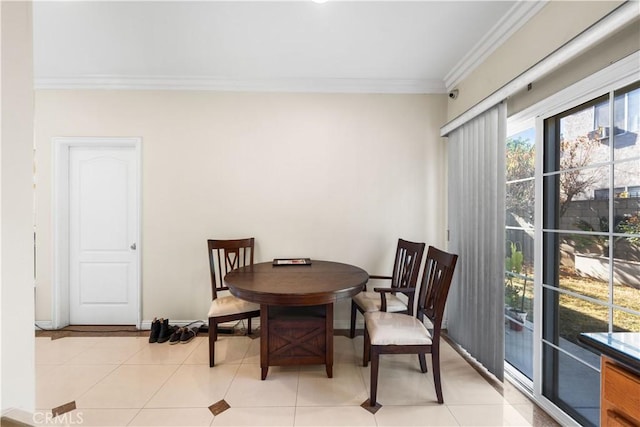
pixel 336 177
pixel 17 369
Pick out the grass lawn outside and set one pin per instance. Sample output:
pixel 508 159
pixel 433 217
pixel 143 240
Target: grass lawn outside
pixel 577 315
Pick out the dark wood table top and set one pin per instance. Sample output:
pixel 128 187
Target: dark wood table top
pixel 322 282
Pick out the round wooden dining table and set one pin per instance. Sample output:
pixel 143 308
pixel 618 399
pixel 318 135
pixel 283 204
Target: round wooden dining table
pixel 296 308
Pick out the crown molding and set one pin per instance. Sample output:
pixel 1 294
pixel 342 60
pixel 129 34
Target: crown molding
pixel 115 82
pixel 511 22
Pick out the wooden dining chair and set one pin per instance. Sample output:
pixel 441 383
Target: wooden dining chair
pixel 395 333
pixel 224 256
pixel 403 281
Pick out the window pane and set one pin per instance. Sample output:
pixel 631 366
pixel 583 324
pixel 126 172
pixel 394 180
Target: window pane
pixel 627 195
pixel 625 322
pixel 627 185
pixel 519 205
pixel 590 278
pixel 601 117
pixel 518 347
pixel 633 111
pixel 576 387
pixel 582 139
pixel 520 241
pixel 584 265
pixel 619 113
pixel 577 315
pixel 629 224
pixel 580 207
pixel 626 111
pixel 626 273
pixel 520 155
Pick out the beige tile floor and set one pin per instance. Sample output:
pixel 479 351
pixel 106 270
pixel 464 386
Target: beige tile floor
pixel 125 381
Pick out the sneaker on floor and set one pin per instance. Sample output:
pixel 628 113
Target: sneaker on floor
pixel 188 334
pixel 175 337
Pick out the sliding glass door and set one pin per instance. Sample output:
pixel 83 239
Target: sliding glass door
pixel 591 242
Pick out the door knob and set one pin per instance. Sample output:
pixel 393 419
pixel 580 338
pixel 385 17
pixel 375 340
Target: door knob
pixel 133 246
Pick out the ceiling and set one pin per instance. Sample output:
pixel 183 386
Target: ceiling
pixel 298 45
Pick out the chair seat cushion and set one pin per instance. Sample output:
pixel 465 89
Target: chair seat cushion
pixel 372 301
pixel 396 329
pixel 224 306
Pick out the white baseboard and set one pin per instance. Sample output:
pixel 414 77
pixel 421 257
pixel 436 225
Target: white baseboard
pixel 145 325
pixel 19 415
pixel 43 324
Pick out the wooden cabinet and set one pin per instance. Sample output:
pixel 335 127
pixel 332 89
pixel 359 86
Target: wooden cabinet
pixel 296 336
pixel 619 395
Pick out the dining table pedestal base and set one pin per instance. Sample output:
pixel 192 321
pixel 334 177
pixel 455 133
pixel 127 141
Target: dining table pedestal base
pixel 296 335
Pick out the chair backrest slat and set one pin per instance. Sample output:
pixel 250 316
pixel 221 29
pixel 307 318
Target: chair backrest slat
pixel 225 256
pixel 407 264
pixel 434 289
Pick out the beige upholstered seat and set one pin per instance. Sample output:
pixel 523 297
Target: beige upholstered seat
pixel 396 329
pixel 396 333
pixel 225 306
pixel 371 301
pixel 403 282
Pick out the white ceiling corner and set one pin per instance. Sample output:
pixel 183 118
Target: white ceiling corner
pixel 515 18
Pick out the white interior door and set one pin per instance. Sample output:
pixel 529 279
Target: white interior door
pixel 103 233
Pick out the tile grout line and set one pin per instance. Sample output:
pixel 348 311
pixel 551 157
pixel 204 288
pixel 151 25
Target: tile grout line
pixel 133 355
pixel 121 365
pixel 161 385
pixel 139 410
pixel 178 366
pixel 134 417
pixel 116 366
pixel 295 403
pixel 235 374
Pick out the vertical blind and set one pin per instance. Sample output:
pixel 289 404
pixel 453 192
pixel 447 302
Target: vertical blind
pixel 476 233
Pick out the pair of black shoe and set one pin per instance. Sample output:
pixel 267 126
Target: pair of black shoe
pixel 161 331
pixel 183 335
